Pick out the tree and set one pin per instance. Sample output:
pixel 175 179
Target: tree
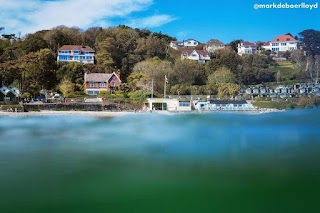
pixel 104 58
pixel 153 69
pixel 227 89
pixel 38 71
pixel 66 87
pixel 188 72
pixel 313 67
pixel 234 44
pixel 298 57
pixel 222 75
pixel 310 40
pixel 74 72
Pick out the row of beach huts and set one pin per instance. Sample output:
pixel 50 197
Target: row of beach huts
pixel 297 90
pixel 179 105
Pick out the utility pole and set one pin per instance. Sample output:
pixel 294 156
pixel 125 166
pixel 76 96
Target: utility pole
pixel 165 86
pixel 152 88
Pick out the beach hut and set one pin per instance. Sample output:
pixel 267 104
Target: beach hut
pixel 223 105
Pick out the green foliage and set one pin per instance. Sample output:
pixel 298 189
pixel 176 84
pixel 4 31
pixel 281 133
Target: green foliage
pixel 138 96
pixel 227 89
pixel 66 87
pixel 311 41
pixel 72 71
pixel 222 75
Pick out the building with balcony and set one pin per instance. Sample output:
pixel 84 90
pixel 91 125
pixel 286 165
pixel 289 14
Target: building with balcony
pixel 76 53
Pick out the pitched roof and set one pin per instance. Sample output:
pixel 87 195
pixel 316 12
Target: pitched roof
pixel 191 39
pixel 215 41
pixel 227 102
pixel 202 52
pixel 247 43
pixel 267 43
pixel 77 47
pixel 284 38
pixel 99 77
pixel 188 52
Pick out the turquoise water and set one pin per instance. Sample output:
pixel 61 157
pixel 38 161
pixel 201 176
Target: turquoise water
pixel 202 162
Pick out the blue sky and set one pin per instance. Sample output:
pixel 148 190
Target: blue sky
pixel 183 19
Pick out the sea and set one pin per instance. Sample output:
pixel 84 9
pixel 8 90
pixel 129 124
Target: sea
pixel 149 162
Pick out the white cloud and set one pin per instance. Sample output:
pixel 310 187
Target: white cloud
pixel 30 16
pixel 152 21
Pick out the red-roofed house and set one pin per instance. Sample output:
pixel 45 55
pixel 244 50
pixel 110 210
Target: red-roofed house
pixel 94 83
pixel 76 53
pixel 197 55
pixel 282 43
pixel 247 48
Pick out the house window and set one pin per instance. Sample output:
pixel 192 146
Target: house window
pixel 184 104
pixel 287 39
pixel 102 84
pixel 75 52
pixel 283 44
pixel 92 84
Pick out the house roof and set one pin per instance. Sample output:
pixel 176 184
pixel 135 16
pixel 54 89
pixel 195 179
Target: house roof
pixel 215 41
pixel 202 52
pixel 267 43
pixel 284 38
pixel 247 43
pixel 227 102
pixel 77 47
pixel 190 39
pixel 188 52
pixel 99 77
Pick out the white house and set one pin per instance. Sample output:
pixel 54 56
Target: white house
pixel 281 44
pixel 189 43
pixel 76 53
pixel 213 45
pixel 166 104
pixel 247 48
pixel 176 44
pixel 197 55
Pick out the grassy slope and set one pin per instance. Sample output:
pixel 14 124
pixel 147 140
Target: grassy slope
pixel 287 72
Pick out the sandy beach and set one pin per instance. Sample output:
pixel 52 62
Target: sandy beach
pixel 67 113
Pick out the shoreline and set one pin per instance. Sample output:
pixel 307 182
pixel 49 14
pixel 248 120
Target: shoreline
pixel 67 113
pixel 118 113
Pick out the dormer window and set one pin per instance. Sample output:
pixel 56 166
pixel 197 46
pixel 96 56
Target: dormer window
pixel 288 39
